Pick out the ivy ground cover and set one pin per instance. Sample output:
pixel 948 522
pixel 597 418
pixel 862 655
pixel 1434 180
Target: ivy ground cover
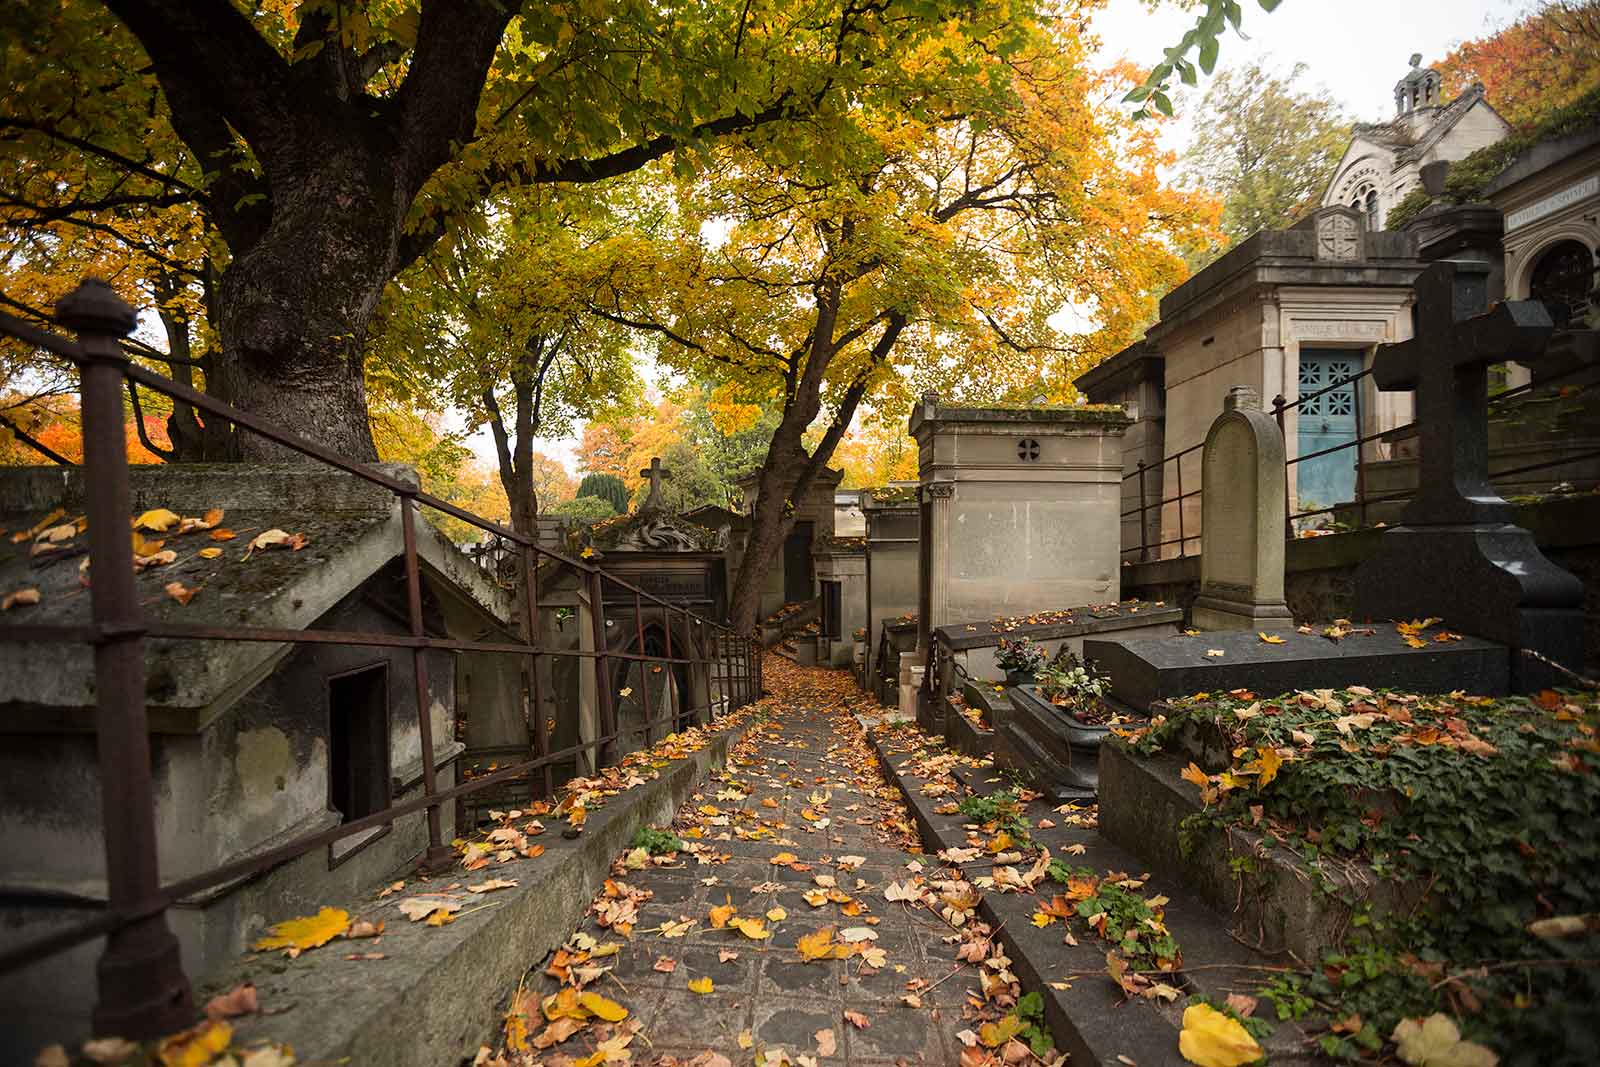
pixel 1485 809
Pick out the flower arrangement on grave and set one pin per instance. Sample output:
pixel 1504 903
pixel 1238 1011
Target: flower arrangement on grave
pixel 1019 656
pixel 1076 689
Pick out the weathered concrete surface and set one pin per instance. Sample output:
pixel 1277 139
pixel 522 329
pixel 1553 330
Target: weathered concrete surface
pixel 433 997
pixel 1089 1018
pixel 1270 896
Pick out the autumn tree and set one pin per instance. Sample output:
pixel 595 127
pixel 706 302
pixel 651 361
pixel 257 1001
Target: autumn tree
pixel 1533 66
pixel 866 241
pixel 331 143
pixel 1265 146
pixel 496 323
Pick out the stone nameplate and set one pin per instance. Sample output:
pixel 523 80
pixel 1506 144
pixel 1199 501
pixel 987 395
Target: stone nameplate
pixel 1553 203
pixel 1339 329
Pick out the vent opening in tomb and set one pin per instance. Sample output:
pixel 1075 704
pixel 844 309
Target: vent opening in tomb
pixel 358 752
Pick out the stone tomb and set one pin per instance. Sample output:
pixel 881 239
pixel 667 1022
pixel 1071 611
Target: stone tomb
pixel 1456 556
pixel 1244 510
pixel 1020 509
pixel 253 743
pixel 1144 670
pixel 684 564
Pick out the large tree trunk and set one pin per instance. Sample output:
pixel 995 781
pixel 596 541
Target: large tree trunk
pixel 295 308
pixel 770 523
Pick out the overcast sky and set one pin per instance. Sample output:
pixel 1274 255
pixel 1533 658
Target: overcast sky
pixel 1357 49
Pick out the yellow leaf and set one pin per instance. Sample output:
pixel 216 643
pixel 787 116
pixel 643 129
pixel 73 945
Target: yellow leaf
pixel 816 946
pixel 157 519
pixel 995 1034
pixel 777 914
pixel 210 553
pixel 197 1046
pixel 1416 642
pixel 308 931
pixel 1270 762
pixel 1270 639
pixel 754 929
pixel 1211 1039
pixel 784 858
pixel 213 516
pixel 1041 920
pixel 700 985
pixel 599 1006
pixel 721 914
pixel 1193 773
pixel 563 1004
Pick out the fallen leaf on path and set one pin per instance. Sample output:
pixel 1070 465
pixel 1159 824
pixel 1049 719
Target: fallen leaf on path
pixel 1211 1039
pixel 19 598
pixel 240 1000
pixel 858 1020
pixel 826 1043
pixel 307 931
pixel 701 986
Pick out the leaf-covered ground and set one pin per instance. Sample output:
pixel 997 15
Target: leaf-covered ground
pixel 798 922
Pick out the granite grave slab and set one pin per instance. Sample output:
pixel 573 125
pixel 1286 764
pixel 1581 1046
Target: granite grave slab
pixel 1150 669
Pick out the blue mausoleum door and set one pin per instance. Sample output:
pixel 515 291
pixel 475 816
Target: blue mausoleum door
pixel 1326 421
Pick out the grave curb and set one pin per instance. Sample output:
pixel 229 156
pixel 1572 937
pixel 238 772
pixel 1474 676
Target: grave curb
pixel 1265 901
pixel 1070 1037
pixel 1088 1020
pixel 448 998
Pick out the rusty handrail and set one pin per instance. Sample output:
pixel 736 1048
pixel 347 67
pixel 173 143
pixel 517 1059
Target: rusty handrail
pixel 143 991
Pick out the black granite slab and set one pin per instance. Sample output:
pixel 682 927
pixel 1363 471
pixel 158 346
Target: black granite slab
pixel 1147 669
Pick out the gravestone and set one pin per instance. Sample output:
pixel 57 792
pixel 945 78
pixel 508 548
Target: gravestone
pixel 1243 520
pixel 1456 554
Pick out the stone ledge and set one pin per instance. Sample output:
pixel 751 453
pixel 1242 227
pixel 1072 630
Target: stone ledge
pixel 1269 895
pixel 435 996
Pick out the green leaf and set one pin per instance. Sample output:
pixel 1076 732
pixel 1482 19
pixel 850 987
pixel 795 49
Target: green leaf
pixel 1208 54
pixel 1162 104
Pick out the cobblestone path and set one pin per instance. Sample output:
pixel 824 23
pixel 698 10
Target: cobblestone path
pixel 798 838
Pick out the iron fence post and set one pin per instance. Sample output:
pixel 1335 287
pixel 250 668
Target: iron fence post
pixel 1144 517
pixel 1183 540
pixel 1361 463
pixel 438 854
pixel 602 673
pixel 1278 407
pixel 541 736
pixel 143 992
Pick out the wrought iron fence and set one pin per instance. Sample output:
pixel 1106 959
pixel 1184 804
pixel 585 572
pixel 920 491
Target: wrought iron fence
pixel 1188 530
pixel 143 990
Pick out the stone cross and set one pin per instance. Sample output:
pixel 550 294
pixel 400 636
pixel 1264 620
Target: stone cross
pixel 1447 363
pixel 657 474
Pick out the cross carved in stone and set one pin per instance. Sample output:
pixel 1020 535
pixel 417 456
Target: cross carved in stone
pixel 657 474
pixel 1447 363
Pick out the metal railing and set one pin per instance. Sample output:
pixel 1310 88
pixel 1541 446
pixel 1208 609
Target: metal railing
pixel 143 991
pixel 1188 530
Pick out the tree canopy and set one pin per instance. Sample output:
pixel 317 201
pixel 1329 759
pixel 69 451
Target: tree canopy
pixel 1266 146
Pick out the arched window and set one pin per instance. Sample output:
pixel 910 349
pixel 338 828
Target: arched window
pixel 1365 200
pixel 1562 280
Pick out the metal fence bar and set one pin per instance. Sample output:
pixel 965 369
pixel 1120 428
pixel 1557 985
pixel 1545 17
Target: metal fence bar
pixel 437 854
pixel 143 991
